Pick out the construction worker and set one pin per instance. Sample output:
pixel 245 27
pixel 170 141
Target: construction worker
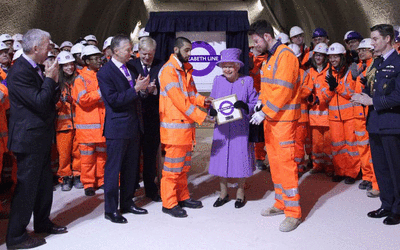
pixel 259 147
pixel 341 116
pixel 318 113
pixel 66 46
pixel 56 49
pixel 178 113
pixel 69 169
pixel 283 38
pixel 280 112
pixel 91 40
pixel 352 39
pixel 89 121
pixel 7 39
pixel 5 59
pixel 76 51
pixel 396 44
pixel 319 35
pixel 297 37
pixel 107 49
pixel 365 52
pixel 303 139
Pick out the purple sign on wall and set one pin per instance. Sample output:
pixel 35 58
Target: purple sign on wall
pixel 212 58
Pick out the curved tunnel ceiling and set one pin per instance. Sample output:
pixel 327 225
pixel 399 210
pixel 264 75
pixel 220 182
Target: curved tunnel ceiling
pixel 69 20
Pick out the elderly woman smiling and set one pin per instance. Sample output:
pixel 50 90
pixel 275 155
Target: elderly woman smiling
pixel 232 155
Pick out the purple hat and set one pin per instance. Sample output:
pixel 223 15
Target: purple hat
pixel 230 55
pixel 319 32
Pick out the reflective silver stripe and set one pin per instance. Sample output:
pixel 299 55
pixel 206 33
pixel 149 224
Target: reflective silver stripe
pixel 278 197
pixel 86 152
pixel 190 110
pixel 318 112
pixel 277 59
pixel 279 186
pixel 88 144
pixel 296 159
pixel 63 117
pixel 317 85
pixel 343 151
pixel 344 106
pixel 171 85
pixel 341 143
pixel 359 133
pixel 191 93
pixel 370 160
pixel 177 125
pixel 100 149
pixel 189 153
pixel 187 163
pixel 175 160
pixel 272 106
pixel 88 126
pixel 290 192
pixel 277 82
pixel 1 96
pixel 197 94
pixel 163 93
pixel 98 91
pixel 80 95
pixel 363 143
pixel 173 170
pixel 291 106
pixel 319 154
pixel 283 143
pixel 83 79
pixel 3 134
pixel 319 161
pixel 292 203
pixel 304 111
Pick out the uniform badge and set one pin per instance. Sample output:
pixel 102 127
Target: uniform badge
pixel 269 67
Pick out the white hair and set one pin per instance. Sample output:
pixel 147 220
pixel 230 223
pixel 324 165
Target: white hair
pixel 32 38
pixel 147 42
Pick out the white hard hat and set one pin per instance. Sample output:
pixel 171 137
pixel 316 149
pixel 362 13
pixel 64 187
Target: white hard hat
pixel 56 46
pixel 90 38
pixel 66 44
pixel 295 48
pixel 3 46
pixel 336 49
pixel 17 37
pixel 83 42
pixel 50 54
pixel 143 33
pixel 77 48
pixel 65 57
pixel 5 37
pixel 321 48
pixel 295 30
pixel 17 54
pixel 107 42
pixel 365 44
pixel 17 45
pixel 283 38
pixel 90 50
pixel 135 47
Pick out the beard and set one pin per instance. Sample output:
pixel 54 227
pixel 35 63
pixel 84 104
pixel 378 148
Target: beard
pixel 180 57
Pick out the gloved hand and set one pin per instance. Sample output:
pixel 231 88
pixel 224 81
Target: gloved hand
pixel 257 118
pixel 258 106
pixel 362 99
pixel 242 105
pixel 313 100
pixel 354 70
pixel 213 112
pixel 363 81
pixel 310 98
pixel 316 102
pixel 331 80
pixel 68 98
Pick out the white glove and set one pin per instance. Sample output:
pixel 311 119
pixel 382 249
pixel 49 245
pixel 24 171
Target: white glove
pixel 257 118
pixel 362 99
pixel 258 106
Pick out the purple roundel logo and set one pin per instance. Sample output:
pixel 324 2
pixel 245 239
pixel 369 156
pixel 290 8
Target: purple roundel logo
pixel 226 108
pixel 212 58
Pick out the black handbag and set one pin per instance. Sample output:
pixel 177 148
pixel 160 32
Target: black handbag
pixel 256 132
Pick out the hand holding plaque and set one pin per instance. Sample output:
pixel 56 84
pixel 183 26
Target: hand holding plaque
pixel 226 112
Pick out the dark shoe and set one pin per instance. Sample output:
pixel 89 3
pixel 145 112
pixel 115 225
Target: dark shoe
pixel 363 185
pixel 379 213
pixel 348 180
pixel 337 178
pixel 155 198
pixel 190 203
pixel 261 165
pixel 66 185
pixel 77 182
pixel 369 186
pixel 240 203
pixel 28 243
pixel 115 217
pixel 54 229
pixel 392 219
pixel 219 202
pixel 176 211
pixel 89 191
pixel 134 209
pixel 101 187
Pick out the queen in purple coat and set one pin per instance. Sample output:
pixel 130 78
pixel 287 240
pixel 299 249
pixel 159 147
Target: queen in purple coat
pixel 232 155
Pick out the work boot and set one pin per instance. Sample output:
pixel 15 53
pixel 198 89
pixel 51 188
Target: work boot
pixel 77 182
pixel 190 203
pixel 89 191
pixel 316 171
pixel 271 211
pixel 66 185
pixel 176 211
pixel 337 178
pixel 261 165
pixel 349 180
pixel 289 224
pixel 373 193
pixel 363 185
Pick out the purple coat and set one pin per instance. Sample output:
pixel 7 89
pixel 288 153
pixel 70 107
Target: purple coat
pixel 232 155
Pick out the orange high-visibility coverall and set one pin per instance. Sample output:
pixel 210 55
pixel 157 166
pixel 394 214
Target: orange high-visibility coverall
pixel 178 113
pixel 280 96
pixel 307 56
pixel 67 146
pixel 303 140
pixel 319 123
pixel 362 136
pixel 3 75
pixel 89 122
pixel 4 105
pixel 346 159
pixel 259 148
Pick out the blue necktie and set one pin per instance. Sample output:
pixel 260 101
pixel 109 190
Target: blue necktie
pixel 145 71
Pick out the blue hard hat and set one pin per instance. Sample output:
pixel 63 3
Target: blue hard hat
pixel 353 35
pixel 318 32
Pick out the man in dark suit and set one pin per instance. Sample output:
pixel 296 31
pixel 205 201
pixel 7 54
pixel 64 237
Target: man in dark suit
pixel 382 95
pixel 31 131
pixel 150 140
pixel 122 129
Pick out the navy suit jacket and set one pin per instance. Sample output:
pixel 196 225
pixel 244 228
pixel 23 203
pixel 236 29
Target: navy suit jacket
pixel 122 121
pixel 32 109
pixel 384 115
